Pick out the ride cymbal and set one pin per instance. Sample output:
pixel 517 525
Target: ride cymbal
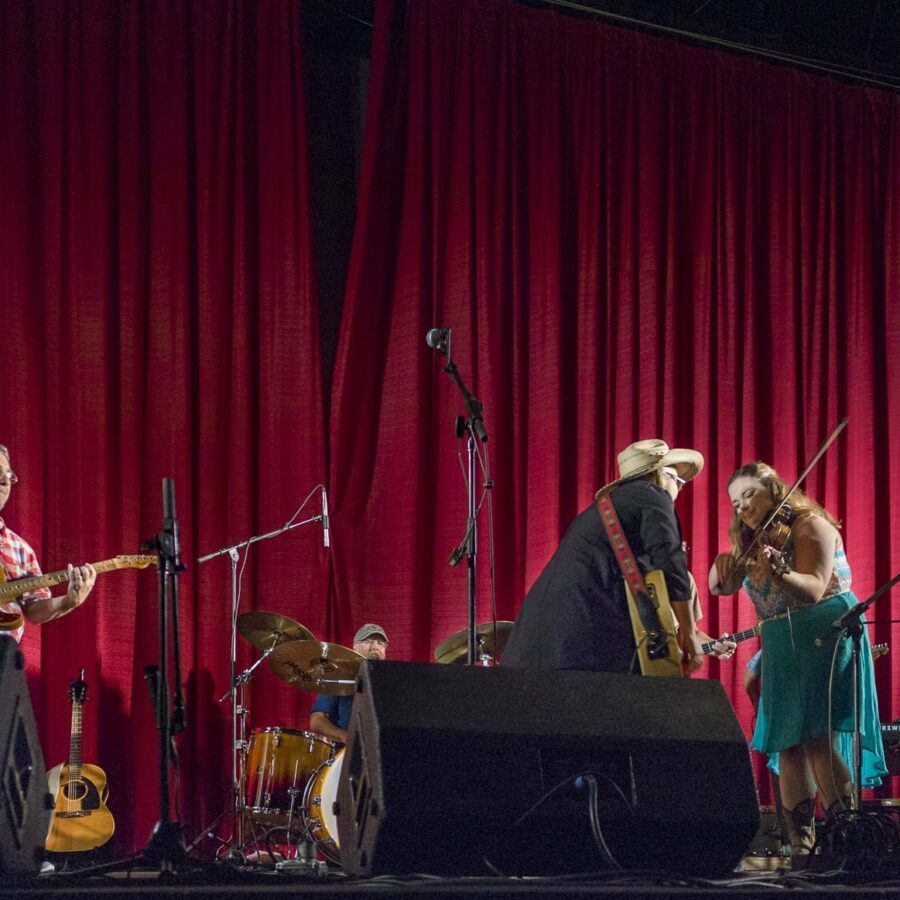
pixel 316 666
pixel 456 647
pixel 265 629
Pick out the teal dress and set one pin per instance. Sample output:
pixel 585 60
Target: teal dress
pixel 800 650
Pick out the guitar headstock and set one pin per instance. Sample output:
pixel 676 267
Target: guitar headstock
pixel 880 650
pixel 78 689
pixel 137 561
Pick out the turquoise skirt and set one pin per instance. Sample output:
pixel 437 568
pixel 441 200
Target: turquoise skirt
pixel 797 655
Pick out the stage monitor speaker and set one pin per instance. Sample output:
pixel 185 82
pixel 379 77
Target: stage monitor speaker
pixel 455 770
pixel 24 800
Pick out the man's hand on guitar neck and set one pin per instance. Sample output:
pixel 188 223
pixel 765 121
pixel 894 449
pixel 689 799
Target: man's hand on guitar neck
pixel 722 648
pixel 81 583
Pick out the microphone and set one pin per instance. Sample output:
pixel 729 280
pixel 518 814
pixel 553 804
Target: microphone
pixel 326 529
pixel 438 339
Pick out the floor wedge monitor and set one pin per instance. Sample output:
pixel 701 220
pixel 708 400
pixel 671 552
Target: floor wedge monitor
pixel 474 770
pixel 24 800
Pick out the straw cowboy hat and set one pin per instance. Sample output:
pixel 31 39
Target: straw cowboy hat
pixel 643 457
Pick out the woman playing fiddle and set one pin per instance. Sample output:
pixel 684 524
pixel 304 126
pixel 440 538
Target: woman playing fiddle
pixel 798 578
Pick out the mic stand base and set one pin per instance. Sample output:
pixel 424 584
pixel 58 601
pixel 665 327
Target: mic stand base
pixel 165 849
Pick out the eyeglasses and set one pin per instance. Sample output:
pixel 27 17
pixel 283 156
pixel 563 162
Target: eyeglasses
pixel 380 642
pixel 8 477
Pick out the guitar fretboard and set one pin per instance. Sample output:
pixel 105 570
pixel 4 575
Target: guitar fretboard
pixel 75 747
pixel 737 637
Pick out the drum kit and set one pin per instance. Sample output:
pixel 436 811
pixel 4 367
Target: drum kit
pixel 287 780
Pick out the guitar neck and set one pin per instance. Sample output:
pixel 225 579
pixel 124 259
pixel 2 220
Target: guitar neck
pixel 75 745
pixel 707 646
pixel 19 586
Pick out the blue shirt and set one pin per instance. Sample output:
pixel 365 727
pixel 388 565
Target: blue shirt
pixel 336 708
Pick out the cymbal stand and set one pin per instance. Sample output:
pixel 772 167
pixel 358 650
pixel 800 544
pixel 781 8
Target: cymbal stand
pixel 238 709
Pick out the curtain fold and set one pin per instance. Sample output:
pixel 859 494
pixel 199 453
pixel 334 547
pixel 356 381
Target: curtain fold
pixel 161 317
pixel 628 237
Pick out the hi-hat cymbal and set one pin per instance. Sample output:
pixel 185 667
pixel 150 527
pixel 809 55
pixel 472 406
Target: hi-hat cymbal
pixel 265 629
pixel 316 666
pixel 456 647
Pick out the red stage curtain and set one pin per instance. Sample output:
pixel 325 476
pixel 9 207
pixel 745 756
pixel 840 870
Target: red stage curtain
pixel 159 319
pixel 630 238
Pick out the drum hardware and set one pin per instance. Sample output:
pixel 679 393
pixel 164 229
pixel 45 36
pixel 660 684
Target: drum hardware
pixel 317 666
pixel 490 639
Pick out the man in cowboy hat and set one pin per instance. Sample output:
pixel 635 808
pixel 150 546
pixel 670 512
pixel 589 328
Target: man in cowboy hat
pixel 330 715
pixel 575 616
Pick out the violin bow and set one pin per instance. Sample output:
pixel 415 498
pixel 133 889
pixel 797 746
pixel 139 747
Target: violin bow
pixel 819 453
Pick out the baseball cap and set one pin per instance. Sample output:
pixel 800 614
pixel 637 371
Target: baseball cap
pixel 367 631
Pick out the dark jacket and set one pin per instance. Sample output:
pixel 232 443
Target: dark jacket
pixel 575 615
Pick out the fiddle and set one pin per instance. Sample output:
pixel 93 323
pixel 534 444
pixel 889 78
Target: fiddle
pixel 778 529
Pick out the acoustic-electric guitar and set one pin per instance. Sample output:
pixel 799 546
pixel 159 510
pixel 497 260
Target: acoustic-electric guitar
pixel 9 590
pixel 80 819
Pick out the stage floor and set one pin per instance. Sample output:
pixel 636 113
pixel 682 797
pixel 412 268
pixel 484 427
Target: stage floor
pixel 224 880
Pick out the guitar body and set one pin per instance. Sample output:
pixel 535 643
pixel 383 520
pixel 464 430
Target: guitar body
pixel 668 665
pixel 80 820
pixel 9 619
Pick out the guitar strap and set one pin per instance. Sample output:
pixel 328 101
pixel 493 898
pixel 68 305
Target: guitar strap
pixel 646 608
pixel 621 547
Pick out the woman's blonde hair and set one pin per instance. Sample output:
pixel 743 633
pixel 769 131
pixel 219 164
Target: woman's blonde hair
pixel 800 504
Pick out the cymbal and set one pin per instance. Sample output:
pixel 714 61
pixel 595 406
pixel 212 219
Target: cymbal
pixel 456 647
pixel 263 629
pixel 317 666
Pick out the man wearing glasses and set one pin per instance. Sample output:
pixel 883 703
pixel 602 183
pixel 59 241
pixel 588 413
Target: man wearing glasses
pixel 19 560
pixel 576 616
pixel 330 716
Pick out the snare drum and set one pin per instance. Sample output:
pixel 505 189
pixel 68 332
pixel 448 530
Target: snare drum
pixel 318 803
pixel 280 763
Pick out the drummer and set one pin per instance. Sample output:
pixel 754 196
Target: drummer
pixel 330 715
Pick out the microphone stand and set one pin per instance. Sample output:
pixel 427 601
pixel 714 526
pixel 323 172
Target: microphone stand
pixel 473 425
pixel 238 707
pixel 850 625
pixel 165 847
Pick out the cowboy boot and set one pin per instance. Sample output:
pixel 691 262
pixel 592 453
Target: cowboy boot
pixel 801 831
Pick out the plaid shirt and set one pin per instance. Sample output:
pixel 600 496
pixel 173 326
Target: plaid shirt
pixel 18 560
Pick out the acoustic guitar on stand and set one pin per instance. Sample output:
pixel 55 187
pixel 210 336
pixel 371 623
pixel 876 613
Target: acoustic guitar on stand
pixel 9 590
pixel 80 819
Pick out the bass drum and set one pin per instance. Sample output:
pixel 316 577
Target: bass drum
pixel 318 802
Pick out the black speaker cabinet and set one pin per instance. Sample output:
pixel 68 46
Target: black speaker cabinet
pixel 24 800
pixel 471 770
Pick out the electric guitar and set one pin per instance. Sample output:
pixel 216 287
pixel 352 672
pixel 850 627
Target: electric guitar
pixel 653 624
pixel 80 820
pixel 18 586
